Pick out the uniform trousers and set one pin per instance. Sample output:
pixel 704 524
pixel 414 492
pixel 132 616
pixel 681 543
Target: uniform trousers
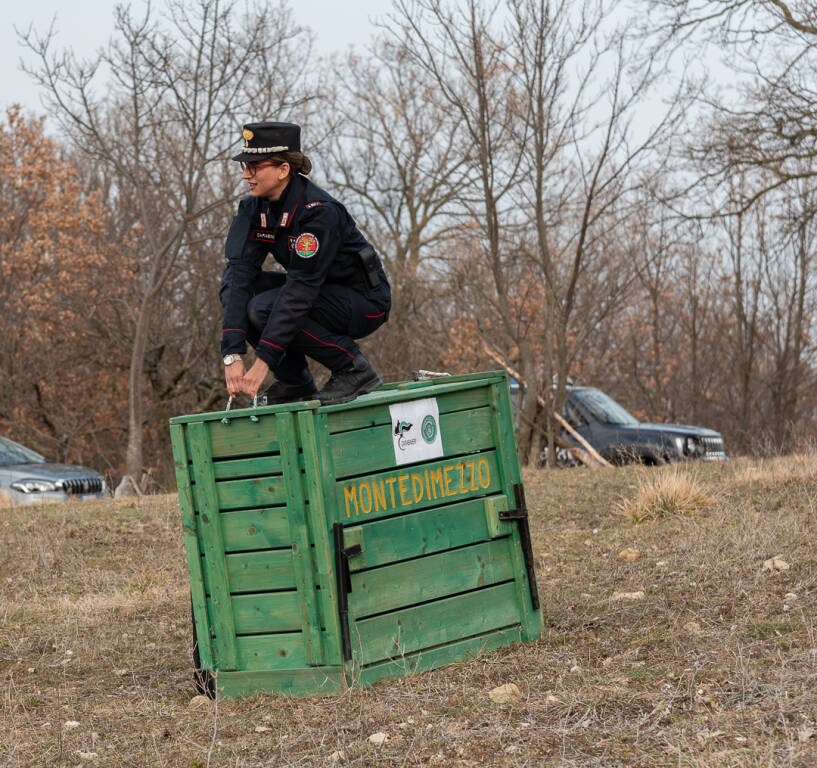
pixel 340 314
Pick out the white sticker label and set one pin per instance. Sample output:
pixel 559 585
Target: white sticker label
pixel 415 430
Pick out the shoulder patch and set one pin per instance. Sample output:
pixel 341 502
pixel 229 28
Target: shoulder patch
pixel 306 246
pixel 313 205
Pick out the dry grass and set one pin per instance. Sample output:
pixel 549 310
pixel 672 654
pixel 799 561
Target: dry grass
pixel 781 469
pixel 715 666
pixel 674 490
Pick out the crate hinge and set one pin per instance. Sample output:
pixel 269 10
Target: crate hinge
pixel 520 514
pixel 342 555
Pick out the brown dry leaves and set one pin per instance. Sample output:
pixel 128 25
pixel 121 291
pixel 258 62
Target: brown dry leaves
pixel 63 279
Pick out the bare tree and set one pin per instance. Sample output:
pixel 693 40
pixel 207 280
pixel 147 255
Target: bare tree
pixel 791 291
pixel 157 110
pixel 553 152
pixel 583 159
pixel 398 155
pixel 768 131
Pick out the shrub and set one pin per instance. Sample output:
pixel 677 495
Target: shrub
pixel 664 493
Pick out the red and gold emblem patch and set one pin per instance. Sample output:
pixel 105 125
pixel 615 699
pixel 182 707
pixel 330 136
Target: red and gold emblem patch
pixel 306 246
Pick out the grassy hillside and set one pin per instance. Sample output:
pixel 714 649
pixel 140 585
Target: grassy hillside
pixel 681 651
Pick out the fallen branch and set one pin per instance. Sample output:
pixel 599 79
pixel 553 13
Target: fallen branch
pixel 586 457
pixel 590 449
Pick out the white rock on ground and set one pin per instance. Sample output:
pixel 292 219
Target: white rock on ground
pixel 627 596
pixel 504 694
pixel 378 738
pixel 776 563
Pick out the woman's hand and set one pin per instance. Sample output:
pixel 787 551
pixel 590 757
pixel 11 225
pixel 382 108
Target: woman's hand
pixel 234 375
pixel 254 378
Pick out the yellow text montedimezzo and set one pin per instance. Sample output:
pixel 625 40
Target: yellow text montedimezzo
pixel 406 489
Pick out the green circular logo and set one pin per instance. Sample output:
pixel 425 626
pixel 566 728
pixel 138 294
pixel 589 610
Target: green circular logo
pixel 429 429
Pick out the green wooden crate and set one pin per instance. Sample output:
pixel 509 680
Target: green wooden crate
pixel 331 546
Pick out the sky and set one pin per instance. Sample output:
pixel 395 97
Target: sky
pixel 86 25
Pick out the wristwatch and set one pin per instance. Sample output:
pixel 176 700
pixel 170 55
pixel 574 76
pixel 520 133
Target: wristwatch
pixel 230 359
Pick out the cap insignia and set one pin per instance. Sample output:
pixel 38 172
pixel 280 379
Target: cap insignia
pixel 247 134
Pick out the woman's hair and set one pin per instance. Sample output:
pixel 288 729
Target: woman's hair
pixel 298 162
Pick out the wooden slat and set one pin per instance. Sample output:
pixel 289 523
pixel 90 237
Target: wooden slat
pixel 244 413
pixel 302 553
pixel 282 651
pixel 454 618
pixel 211 542
pixel 408 391
pixel 434 381
pixel 378 415
pixel 370 450
pixel 408 489
pixel 307 681
pixel 255 529
pixel 242 437
pixel 509 466
pixel 421 533
pixel 269 612
pixel 433 658
pixel 430 578
pixel 256 492
pixel 191 545
pixel 260 571
pixel 320 484
pixel 259 466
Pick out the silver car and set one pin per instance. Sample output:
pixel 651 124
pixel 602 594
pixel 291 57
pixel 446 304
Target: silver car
pixel 27 478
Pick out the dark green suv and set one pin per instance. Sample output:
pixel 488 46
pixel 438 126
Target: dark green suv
pixel 619 437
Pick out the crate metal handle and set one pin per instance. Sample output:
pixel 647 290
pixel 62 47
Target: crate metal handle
pixel 226 420
pixel 253 417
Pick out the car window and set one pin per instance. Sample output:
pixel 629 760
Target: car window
pixel 603 407
pixel 573 417
pixel 14 453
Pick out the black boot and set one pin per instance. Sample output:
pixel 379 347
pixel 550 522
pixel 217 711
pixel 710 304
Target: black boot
pixel 344 385
pixel 290 391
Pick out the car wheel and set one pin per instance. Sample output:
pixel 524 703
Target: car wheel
pixel 564 459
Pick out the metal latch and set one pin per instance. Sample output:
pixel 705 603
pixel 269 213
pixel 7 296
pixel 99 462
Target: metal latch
pixel 520 514
pixel 344 581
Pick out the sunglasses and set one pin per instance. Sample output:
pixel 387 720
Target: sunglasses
pixel 252 168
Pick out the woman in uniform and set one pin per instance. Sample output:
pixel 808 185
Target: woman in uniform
pixel 334 289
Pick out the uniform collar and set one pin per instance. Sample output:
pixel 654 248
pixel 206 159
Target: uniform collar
pixel 291 200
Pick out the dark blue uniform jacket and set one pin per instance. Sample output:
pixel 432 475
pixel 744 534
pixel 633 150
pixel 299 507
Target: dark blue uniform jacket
pixel 282 228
